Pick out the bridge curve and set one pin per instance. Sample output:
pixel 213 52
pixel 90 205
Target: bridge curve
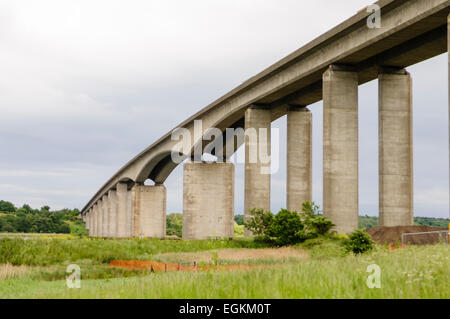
pixel 411 31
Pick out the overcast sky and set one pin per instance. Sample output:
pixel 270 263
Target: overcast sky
pixel 86 85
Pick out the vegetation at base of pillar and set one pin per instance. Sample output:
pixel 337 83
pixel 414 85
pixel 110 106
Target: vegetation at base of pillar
pixel 359 242
pixel 288 227
pixel 174 224
pixel 43 220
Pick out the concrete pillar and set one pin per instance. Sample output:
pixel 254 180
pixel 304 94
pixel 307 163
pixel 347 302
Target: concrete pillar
pixel 257 168
pixel 91 222
pixel 340 148
pixel 92 230
pixel 208 200
pixel 149 207
pixel 112 209
pixel 395 149
pixel 98 220
pixel 299 158
pixel 105 207
pixel 85 218
pixel 122 204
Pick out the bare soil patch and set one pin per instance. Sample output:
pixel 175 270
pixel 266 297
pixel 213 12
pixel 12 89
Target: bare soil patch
pixel 392 235
pixel 155 266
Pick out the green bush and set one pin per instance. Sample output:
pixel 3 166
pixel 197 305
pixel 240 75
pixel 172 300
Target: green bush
pixel 174 225
pixel 259 223
pixel 315 224
pixel 286 228
pixel 238 230
pixel 359 242
pixel 320 225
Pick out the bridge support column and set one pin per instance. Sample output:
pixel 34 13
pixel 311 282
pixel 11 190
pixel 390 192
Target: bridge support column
pixel 299 157
pixel 98 219
pixel 105 220
pixel 85 219
pixel 208 200
pixel 395 149
pixel 340 148
pixel 149 207
pixel 257 160
pixel 123 210
pixel 89 217
pixel 112 209
pixel 91 222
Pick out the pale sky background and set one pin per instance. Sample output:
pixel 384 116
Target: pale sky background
pixel 86 85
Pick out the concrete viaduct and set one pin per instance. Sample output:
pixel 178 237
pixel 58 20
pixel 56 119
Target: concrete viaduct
pixel 330 68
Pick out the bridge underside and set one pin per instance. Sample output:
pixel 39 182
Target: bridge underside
pixel 422 41
pixel 330 68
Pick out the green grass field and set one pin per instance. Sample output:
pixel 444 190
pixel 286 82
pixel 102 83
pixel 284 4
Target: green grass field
pixel 36 268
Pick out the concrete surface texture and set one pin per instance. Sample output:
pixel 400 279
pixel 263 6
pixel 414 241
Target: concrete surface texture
pixel 395 150
pixel 149 206
pixel 340 149
pixel 257 169
pixel 208 200
pixel 105 213
pixel 299 158
pixel 121 204
pixel 112 208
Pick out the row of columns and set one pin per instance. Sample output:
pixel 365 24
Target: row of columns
pixel 340 152
pixel 208 191
pixel 136 212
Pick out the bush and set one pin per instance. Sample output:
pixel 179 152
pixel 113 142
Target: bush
pixel 315 224
pixel 259 223
pixel 359 242
pixel 238 230
pixel 320 224
pixel 286 228
pixel 174 224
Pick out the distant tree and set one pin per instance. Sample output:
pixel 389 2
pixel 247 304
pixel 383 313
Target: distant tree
pixel 174 224
pixel 27 208
pixel 45 208
pixel 239 219
pixel 238 230
pixel 7 207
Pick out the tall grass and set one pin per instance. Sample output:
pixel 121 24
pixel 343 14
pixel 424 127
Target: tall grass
pixel 413 272
pixel 51 251
pixel 8 271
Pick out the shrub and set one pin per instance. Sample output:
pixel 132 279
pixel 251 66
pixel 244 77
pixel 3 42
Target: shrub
pixel 238 230
pixel 174 224
pixel 321 225
pixel 259 223
pixel 286 228
pixel 316 224
pixel 359 242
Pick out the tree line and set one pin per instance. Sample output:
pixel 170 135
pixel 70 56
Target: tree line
pixel 28 220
